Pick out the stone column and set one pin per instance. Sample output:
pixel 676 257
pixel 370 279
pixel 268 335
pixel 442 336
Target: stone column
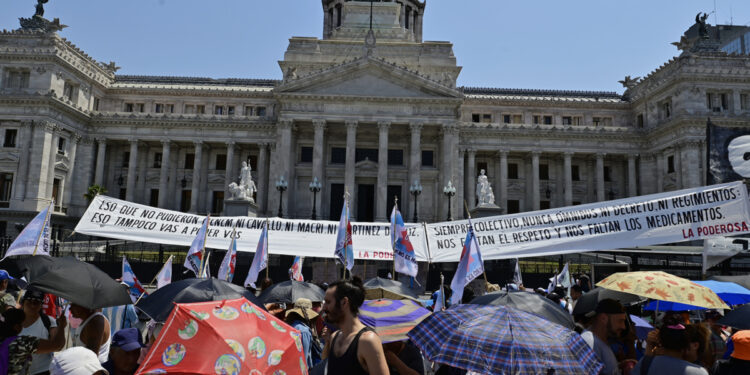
pixel 535 180
pixel 51 165
pixel 69 178
pixel 196 184
pixel 457 208
pixel 449 152
pixel 679 179
pixel 736 99
pixel 24 156
pixel 100 155
pixel 36 185
pixel 229 169
pixel 351 145
pixel 262 193
pixel 470 180
pixel 568 178
pixel 319 161
pixel 142 195
pixel 659 171
pixel 415 153
pixel 132 171
pixel 632 182
pixel 381 196
pixel 503 181
pixel 284 153
pixel 600 177
pixel 164 191
pixel 82 178
pixel 703 163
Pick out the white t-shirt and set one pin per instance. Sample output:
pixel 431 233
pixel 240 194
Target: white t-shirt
pixel 39 362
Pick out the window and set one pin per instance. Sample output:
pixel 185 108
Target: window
pixel 16 78
pixel 543 172
pixel 61 146
pixel 218 110
pixel 96 103
pixel 338 155
pixel 717 102
pixel 512 171
pixel 517 119
pixel 230 110
pixel 6 184
pixel 159 108
pixel 512 119
pixel 221 162
pixel 260 111
pixel 475 117
pixel 639 121
pixel 126 159
pixel 248 111
pixel 535 119
pixel 481 117
pixel 129 107
pixel 547 120
pixel 217 202
pixel 544 205
pixel 306 154
pixel 157 160
pixel 486 118
pixel 607 174
pixel 597 121
pixel 153 200
pixel 575 173
pixel 185 200
pixel 189 161
pixel 670 164
pixel 123 193
pixel 200 109
pixel 395 157
pixel 338 15
pixel 506 119
pixel 428 158
pixel 743 102
pixel 567 120
pixel 370 154
pixel 69 91
pixel 666 109
pixel 514 206
pixel 56 194
pixel 10 138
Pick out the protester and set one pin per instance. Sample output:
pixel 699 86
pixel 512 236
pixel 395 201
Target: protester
pixel 7 300
pixel 20 348
pixel 718 338
pixel 76 361
pixel 355 348
pixel 698 341
pixel 403 358
pixel 575 293
pixel 93 333
pixel 121 317
pixel 673 346
pixel 39 325
pixel 302 318
pixel 609 322
pixel 739 361
pixel 124 352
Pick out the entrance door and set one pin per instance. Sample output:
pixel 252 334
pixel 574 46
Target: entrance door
pixel 365 202
pixel 337 202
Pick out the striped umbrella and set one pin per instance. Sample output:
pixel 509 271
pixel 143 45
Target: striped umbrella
pixel 392 319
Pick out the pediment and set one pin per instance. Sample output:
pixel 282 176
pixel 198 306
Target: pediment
pixel 366 164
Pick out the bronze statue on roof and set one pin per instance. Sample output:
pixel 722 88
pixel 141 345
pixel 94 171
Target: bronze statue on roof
pixel 701 21
pixel 40 8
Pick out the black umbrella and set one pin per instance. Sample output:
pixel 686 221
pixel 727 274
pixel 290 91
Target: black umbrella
pixel 290 291
pixel 529 302
pixel 587 302
pixel 738 318
pixel 743 280
pixel 78 282
pixel 377 288
pixel 159 304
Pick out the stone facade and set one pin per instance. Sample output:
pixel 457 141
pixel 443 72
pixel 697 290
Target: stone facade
pixel 367 116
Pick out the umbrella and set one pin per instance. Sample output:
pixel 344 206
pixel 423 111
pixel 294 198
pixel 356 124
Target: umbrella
pixel 642 327
pixel 664 287
pixel 529 302
pixel 743 280
pixel 290 291
pixel 502 340
pixel 729 292
pixel 225 337
pixel 79 282
pixel 588 301
pixel 738 318
pixel 159 304
pixel 392 319
pixel 669 306
pixel 379 287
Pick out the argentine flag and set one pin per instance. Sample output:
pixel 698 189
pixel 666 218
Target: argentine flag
pixel 470 266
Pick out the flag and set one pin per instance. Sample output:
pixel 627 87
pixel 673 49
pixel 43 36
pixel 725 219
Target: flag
pixel 35 238
pixel 403 252
pixel 226 271
pixel 135 289
pixel 564 277
pixel 260 259
pixel 295 273
pixel 194 258
pixel 164 276
pixel 344 247
pixel 552 283
pixel 470 265
pixel 726 150
pixel 719 249
pixel 517 279
pixel 440 300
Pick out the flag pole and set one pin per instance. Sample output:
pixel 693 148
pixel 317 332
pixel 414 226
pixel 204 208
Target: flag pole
pixel 44 224
pixel 393 242
pixel 203 250
pixel 268 253
pixel 468 214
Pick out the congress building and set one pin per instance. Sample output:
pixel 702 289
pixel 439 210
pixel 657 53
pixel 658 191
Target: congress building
pixel 372 112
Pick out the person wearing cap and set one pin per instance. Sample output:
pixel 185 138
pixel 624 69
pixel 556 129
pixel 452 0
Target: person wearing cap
pixel 739 361
pixel 300 317
pixel 39 325
pixel 7 300
pixel 76 361
pixel 608 322
pixel 124 352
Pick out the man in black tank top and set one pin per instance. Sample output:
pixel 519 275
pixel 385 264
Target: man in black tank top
pixel 354 348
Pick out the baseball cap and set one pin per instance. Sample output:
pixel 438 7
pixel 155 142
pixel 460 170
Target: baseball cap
pixel 127 339
pixel 33 294
pixel 75 361
pixel 741 342
pixel 609 306
pixel 5 276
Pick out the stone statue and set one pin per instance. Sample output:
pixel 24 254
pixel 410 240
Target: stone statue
pixel 484 190
pixel 237 192
pixel 40 8
pixel 629 82
pixel 701 21
pixel 246 186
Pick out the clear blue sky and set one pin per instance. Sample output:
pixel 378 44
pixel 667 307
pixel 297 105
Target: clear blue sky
pixel 577 45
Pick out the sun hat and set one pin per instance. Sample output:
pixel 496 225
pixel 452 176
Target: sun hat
pixel 302 306
pixel 741 341
pixel 75 361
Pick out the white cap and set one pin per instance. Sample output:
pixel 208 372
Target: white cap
pixel 75 361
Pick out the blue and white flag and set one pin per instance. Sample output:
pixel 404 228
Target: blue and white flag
pixel 164 277
pixel 226 271
pixel 295 272
pixel 470 265
pixel 35 238
pixel 194 258
pixel 135 289
pixel 517 278
pixel 260 259
pixel 404 259
pixel 344 247
pixel 440 300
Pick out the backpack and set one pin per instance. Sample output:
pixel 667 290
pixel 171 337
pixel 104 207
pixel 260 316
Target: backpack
pixel 5 354
pixel 45 320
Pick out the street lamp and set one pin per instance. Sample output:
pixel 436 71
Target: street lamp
pixel 120 179
pixel 281 186
pixel 449 192
pixel 415 189
pixel 315 187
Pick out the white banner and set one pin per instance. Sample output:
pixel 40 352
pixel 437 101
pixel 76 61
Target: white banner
pixel 684 215
pixel 113 218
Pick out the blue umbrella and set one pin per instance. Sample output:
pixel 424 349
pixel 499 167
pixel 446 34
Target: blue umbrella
pixel 642 327
pixel 502 340
pixel 731 293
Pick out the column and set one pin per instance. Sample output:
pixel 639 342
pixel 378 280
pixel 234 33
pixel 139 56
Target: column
pixel 415 152
pixel 736 100
pixel 632 182
pixel 229 169
pixel 82 178
pixel 318 160
pixel 535 180
pixel 51 165
pixel 25 138
pixel 702 178
pixel 132 170
pixel 471 177
pixel 600 177
pixel 659 171
pixel 457 203
pixel 100 155
pixel 351 145
pixel 284 151
pixel 503 181
pixel 36 185
pixel 679 179
pixel 69 180
pixel 568 178
pixel 449 151
pixel 196 185
pixel 263 185
pixel 142 196
pixel 381 197
pixel 164 191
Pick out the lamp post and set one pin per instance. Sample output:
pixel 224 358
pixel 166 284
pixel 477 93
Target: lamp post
pixel 449 192
pixel 315 187
pixel 281 186
pixel 415 189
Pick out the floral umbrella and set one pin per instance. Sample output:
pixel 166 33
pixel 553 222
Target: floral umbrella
pixel 663 286
pixel 225 337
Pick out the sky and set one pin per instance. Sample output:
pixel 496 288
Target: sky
pixel 539 44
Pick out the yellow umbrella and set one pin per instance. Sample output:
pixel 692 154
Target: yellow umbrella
pixel 663 286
